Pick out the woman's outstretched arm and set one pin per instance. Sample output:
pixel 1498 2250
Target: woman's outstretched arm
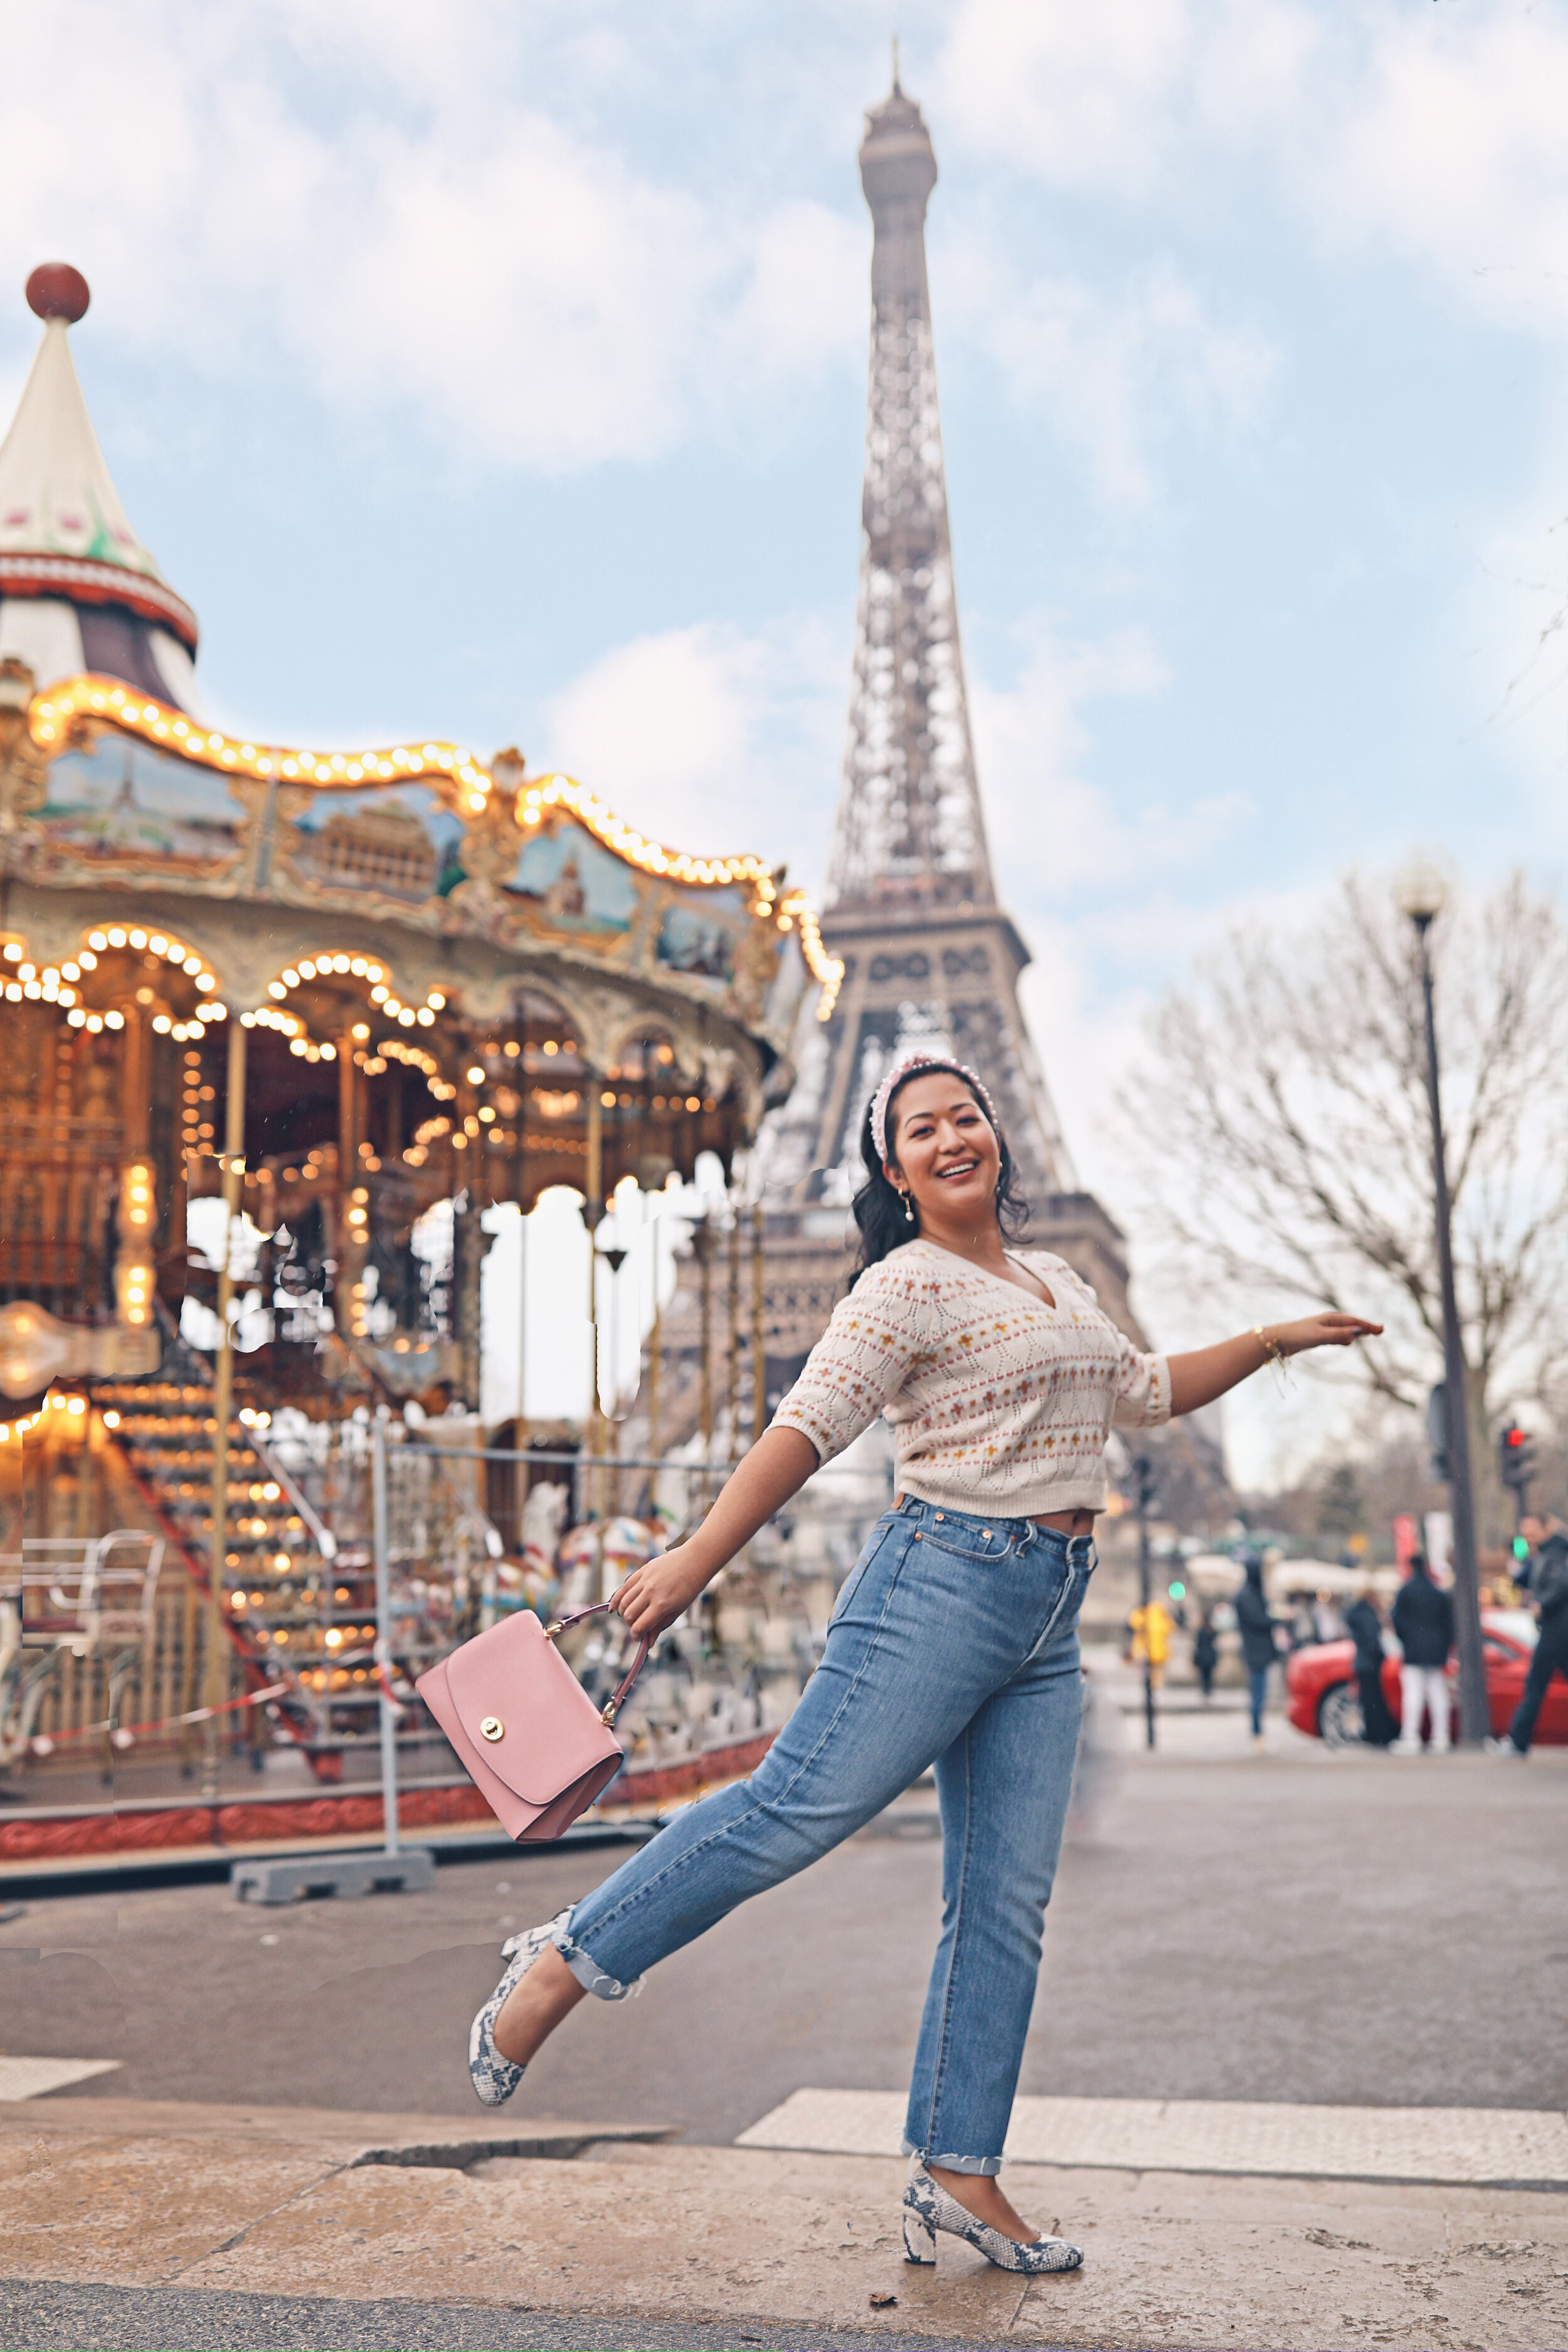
pixel 1208 1372
pixel 777 1467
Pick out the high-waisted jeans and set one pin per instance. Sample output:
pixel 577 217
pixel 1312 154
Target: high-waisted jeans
pixel 954 1644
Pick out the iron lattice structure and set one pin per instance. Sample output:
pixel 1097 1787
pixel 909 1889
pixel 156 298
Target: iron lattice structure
pixel 930 961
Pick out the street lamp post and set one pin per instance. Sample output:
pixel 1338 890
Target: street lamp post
pixel 1421 896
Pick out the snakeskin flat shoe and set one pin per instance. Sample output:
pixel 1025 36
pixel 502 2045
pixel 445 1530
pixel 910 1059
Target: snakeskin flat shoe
pixel 927 2208
pixel 495 2078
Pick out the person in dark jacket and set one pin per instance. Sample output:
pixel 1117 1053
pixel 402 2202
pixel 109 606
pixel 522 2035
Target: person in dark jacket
pixel 1363 1623
pixel 1259 1646
pixel 1424 1628
pixel 1205 1652
pixel 1548 1541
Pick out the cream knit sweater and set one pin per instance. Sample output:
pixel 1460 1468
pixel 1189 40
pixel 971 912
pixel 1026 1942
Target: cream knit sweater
pixel 999 1403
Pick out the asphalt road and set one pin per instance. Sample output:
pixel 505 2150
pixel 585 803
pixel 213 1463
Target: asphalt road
pixel 1294 1927
pixel 43 2316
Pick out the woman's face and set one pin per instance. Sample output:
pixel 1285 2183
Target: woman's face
pixel 943 1148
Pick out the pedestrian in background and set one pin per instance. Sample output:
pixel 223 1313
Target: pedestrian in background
pixel 1363 1623
pixel 1328 1618
pixel 1260 1639
pixel 1151 1629
pixel 1424 1628
pixel 1205 1652
pixel 1547 1587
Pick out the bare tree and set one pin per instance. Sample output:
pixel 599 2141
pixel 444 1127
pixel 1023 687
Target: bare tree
pixel 1279 1122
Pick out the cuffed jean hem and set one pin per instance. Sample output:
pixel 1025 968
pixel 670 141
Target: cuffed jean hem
pixel 974 2164
pixel 588 1971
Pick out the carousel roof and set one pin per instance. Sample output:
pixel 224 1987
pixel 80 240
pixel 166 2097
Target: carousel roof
pixel 66 540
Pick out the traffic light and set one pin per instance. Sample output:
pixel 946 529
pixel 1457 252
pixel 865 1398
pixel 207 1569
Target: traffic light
pixel 1516 1458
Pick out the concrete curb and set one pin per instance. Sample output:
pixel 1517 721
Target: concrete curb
pixel 616 2237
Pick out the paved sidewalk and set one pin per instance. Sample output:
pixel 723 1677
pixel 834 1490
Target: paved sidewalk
pixel 1492 2147
pixel 153 2223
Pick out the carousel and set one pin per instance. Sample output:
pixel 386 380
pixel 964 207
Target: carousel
pixel 332 1006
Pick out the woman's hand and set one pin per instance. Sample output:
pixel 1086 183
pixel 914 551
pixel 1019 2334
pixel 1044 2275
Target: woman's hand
pixel 1319 1331
pixel 654 1594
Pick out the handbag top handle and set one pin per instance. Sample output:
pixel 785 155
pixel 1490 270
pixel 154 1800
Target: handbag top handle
pixel 612 1705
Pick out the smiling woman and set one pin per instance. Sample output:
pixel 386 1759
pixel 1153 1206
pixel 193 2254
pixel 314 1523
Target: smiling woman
pixel 954 1644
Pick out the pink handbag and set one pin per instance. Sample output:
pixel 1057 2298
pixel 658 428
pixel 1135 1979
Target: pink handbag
pixel 525 1730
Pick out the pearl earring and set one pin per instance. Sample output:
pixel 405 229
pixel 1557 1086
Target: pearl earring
pixel 908 1211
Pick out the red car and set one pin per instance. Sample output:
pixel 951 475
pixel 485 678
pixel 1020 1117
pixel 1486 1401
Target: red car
pixel 1321 1698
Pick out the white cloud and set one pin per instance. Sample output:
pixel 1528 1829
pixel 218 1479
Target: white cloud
pixel 1114 372
pixel 717 739
pixel 1046 821
pixel 1076 95
pixel 381 205
pixel 1432 135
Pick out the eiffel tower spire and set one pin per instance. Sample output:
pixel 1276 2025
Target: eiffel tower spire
pixel 910 827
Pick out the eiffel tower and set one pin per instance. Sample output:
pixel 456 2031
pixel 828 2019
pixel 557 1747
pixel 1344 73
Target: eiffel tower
pixel 931 958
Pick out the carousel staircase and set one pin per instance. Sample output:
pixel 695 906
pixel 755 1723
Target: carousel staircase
pixel 297 1603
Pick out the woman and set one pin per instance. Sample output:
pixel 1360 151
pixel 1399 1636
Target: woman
pixel 1205 1653
pixel 954 1642
pixel 1259 1642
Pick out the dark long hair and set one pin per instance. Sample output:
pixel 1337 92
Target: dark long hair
pixel 879 1206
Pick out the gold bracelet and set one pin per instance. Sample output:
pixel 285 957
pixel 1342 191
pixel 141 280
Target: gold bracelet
pixel 1273 1353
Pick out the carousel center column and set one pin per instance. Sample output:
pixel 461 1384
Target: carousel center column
pixel 223 1395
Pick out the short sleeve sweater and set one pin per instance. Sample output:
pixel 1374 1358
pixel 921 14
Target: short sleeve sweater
pixel 999 1403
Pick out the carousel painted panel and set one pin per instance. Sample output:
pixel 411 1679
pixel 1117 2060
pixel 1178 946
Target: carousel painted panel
pixel 715 941
pixel 399 845
pixel 566 887
pixel 115 808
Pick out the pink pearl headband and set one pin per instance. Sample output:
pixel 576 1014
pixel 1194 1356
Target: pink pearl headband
pixel 906 1069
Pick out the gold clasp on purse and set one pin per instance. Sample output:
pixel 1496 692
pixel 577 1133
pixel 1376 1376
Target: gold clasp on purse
pixel 492 1727
pixel 552 1630
pixel 608 1714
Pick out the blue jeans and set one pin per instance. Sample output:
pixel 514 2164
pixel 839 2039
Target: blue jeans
pixel 954 1644
pixel 1257 1693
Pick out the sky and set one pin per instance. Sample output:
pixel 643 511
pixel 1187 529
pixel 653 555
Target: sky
pixel 498 371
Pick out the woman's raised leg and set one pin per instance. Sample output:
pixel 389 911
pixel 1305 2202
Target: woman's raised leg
pixel 911 1652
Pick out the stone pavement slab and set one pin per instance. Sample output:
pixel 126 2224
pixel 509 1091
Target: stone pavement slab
pixel 30 2078
pixel 640 2235
pixel 1502 2147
